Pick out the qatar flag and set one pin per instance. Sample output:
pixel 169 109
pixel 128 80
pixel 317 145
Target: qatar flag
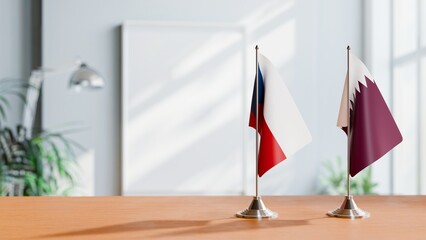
pixel 281 127
pixel 371 129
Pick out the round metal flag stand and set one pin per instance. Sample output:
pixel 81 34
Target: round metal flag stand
pixel 257 209
pixel 348 209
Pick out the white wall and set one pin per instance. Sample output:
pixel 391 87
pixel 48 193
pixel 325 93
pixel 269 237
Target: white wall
pixel 396 63
pixel 378 40
pixel 15 47
pixel 309 50
pixel 340 24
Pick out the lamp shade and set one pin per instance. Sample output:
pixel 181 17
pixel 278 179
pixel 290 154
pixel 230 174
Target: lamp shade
pixel 86 77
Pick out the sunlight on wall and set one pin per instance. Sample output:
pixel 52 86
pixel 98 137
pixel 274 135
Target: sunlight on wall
pixel 186 118
pixel 266 13
pixel 188 103
pixel 163 150
pixel 218 43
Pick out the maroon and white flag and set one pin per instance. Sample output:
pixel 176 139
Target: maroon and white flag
pixel 371 129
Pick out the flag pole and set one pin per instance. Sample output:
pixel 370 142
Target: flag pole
pixel 257 208
pixel 257 120
pixel 348 209
pixel 348 152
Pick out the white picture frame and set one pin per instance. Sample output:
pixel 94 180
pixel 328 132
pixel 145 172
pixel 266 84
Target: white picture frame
pixel 215 51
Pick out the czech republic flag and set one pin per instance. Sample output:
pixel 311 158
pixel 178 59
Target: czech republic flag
pixel 281 127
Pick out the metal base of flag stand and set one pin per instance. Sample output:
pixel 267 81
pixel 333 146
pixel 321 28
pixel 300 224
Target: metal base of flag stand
pixel 348 209
pixel 257 209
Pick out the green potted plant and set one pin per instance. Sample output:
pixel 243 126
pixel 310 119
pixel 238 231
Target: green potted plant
pixel 40 164
pixel 333 180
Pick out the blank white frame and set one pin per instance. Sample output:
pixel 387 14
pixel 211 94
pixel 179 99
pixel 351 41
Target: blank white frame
pixel 125 84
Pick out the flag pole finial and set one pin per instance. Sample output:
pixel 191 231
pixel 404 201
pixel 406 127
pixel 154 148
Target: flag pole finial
pixel 257 47
pixel 348 48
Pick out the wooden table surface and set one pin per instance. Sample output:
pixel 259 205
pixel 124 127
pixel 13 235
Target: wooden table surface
pixel 300 217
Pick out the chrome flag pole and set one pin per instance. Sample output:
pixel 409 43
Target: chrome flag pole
pixel 257 208
pixel 257 121
pixel 348 209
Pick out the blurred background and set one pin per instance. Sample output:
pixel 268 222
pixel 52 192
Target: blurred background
pixel 172 115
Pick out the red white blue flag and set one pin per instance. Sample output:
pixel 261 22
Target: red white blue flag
pixel 281 127
pixel 371 129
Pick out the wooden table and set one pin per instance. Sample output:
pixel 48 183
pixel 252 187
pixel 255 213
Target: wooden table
pixel 301 217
